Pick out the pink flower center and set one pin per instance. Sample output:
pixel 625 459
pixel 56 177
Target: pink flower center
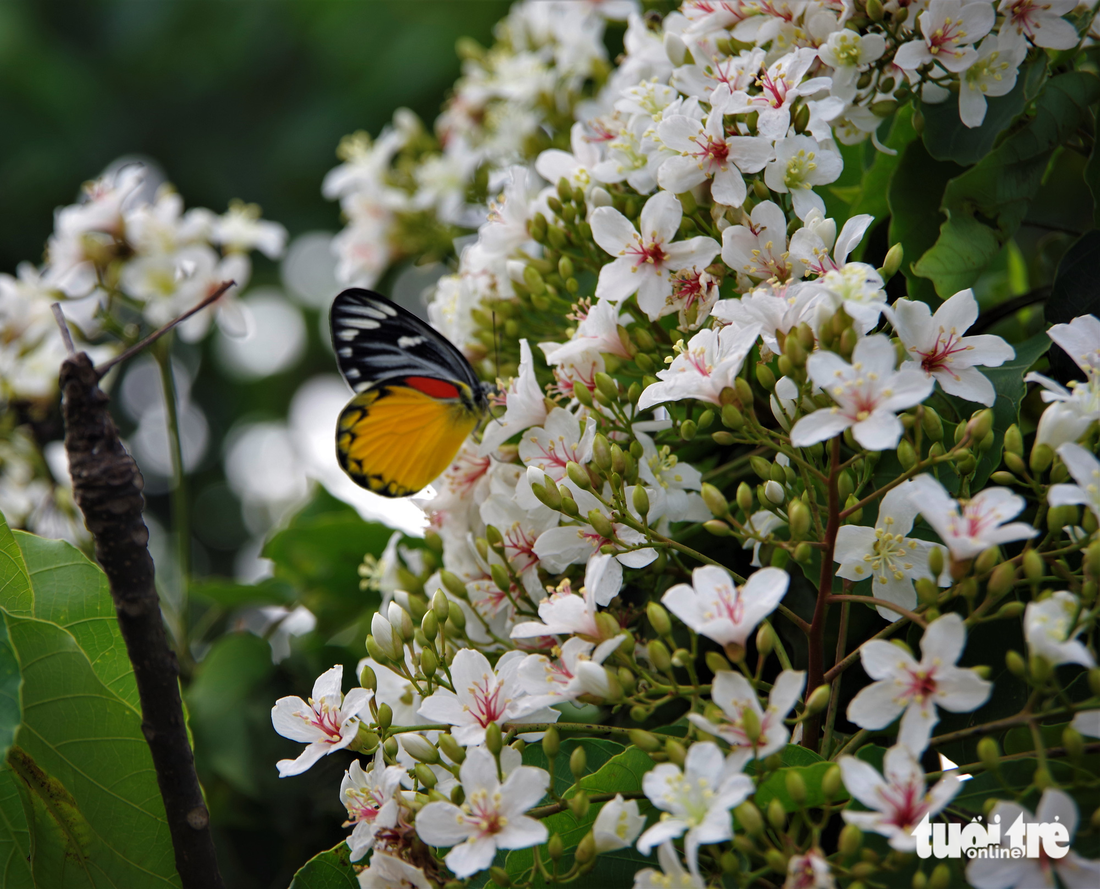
pixel 652 254
pixel 905 804
pixel 466 471
pixel 485 815
pixel 714 152
pixel 687 287
pixel 939 356
pixel 921 685
pixel 520 544
pixel 488 706
pixel 326 719
pixel 363 805
pixel 774 91
pixel 1023 15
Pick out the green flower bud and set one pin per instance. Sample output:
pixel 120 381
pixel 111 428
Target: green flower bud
pixel 907 456
pixel 659 656
pixel 1002 579
pixel 1073 742
pixel 500 876
pixel 644 740
pixel 803 553
pixel 796 787
pixel 798 516
pixel 385 716
pixel 765 377
pixel 761 467
pixel 932 424
pixel 718 528
pixel 777 815
pixel 936 561
pixel 578 475
pixel 430 626
pixel 851 839
pixel 732 417
pixel 744 393
pixel 586 848
pixel 429 662
pixel 688 429
pixel 1015 663
pixel 715 500
pixel 675 751
pixel 601 524
pixel 1040 669
pixel 831 783
pixel 941 877
pixel 555 848
pixel 454 751
pixel 745 498
pixel 457 618
pixel 582 393
pixel 981 424
pixel 601 451
pixel 845 484
pixel 818 699
pixel 1010 610
pixel 750 723
pixel 716 663
pixel 1014 441
pixel 367 679
pixel 500 577
pixel 454 584
pixel 989 753
pixel 987 560
pixel 750 819
pixel 1041 458
pixel 658 618
pixel 494 742
pixel 568 504
pixel 765 639
pixel 641 503
pixel 607 386
pixel 424 775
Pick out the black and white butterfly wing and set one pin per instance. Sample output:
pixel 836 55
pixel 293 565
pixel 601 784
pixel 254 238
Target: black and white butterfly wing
pixel 376 340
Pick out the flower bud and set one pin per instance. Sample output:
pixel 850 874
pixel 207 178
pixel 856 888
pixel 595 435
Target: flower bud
pixel 750 819
pixel 831 782
pixel 659 656
pixel 907 456
pixel 494 742
pixel 1040 669
pixel 745 498
pixel 586 848
pixel 658 618
pixel 718 528
pixel 607 625
pixel 765 639
pixel 1002 579
pixel 456 619
pixel 430 626
pixel 454 584
pixel 640 499
pixel 773 491
pixel 424 775
pixel 601 524
pixel 607 386
pixel 989 753
pixel 796 787
pixel 454 751
pixel 500 577
pixel 1010 610
pixel 732 418
pixel 555 847
pixel 932 424
pixel 375 650
pixel 1042 778
pixel 765 377
pixel 936 561
pixel 601 452
pixel 818 699
pixel 744 393
pixel 1015 663
pixel 798 518
pixel 851 838
pixel 987 560
pixel 980 425
pixel 1073 742
pixel 715 500
pixel 578 475
pixel 803 553
pixel 367 679
pixel 857 515
pixel 675 751
pixel 582 393
pixel 716 663
pixel 644 740
pixel 1005 478
pixel 777 815
pixel 385 716
pixel 750 723
pixel 1041 458
pixel 385 638
pixel 761 467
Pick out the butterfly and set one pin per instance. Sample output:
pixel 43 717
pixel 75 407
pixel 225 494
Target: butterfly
pixel 417 397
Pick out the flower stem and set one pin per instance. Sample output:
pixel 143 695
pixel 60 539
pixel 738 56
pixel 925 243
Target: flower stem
pixel 812 729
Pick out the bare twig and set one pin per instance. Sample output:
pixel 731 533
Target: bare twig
pixel 212 297
pixel 66 336
pixel 107 487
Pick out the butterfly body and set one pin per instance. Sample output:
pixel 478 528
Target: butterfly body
pixel 416 401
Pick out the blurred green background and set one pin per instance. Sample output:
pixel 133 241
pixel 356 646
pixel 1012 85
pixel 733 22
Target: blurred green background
pixel 241 100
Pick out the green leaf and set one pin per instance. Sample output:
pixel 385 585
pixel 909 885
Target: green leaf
pixel 947 138
pixel 90 759
pixel 319 555
pixel 916 190
pixel 15 837
pixel 72 592
pixel 875 185
pixel 597 752
pixel 1076 288
pixel 227 701
pixel 621 773
pixel 987 203
pixel 775 786
pixel 230 595
pixel 329 870
pixel 16 593
pixel 1092 180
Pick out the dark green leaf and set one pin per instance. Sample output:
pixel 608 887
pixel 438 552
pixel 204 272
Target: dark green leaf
pixel 877 177
pixel 15 838
pixel 947 138
pixel 985 205
pixel 775 787
pixel 1076 288
pixel 16 593
pixel 14 583
pixel 915 194
pixel 329 870
pixel 229 594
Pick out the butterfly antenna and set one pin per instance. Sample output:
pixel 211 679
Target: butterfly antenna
pixel 496 349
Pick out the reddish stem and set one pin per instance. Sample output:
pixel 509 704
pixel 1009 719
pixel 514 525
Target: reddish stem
pixel 812 726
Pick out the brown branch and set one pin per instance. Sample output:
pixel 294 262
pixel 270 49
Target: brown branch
pixel 107 487
pixel 997 313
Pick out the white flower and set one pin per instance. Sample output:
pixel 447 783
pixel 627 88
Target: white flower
pixel 898 800
pixel 524 404
pixel 777 309
pixel 368 795
pixel 1085 469
pixel 857 287
pixel 935 344
pixel 903 686
pixel 800 164
pixel 779 87
pixel 671 875
pixel 390 872
pixel 1063 421
pixel 733 693
pixel 643 262
pixel 579 543
pixel 1037 21
pixel 698 799
pixel 577 671
pixel 597 328
pixel 1050 627
pixel 706 152
pixel 709 364
pixel 1073 409
pixel 567 613
pixel 241 229
pixel 576 168
pixel 670 484
pixel 482 696
pixel 618 824
pixel 328 722
pixel 884 553
pixel 993 73
pixel 1011 872
pixel 1081 341
pixel 713 606
pixel 1087 722
pixel 491 817
pixel 970 527
pixel 758 528
pixel 849 53
pixel 811 870
pixel 758 249
pixel 811 244
pixel 867 392
pixel 556 442
pixel 948 28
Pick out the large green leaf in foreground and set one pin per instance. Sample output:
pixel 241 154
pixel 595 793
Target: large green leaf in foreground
pixel 79 804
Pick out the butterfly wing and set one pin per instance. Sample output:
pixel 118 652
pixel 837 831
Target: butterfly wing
pixel 395 438
pixel 417 398
pixel 376 340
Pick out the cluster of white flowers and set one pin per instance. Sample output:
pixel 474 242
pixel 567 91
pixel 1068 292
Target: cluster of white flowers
pixel 125 258
pixel 673 235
